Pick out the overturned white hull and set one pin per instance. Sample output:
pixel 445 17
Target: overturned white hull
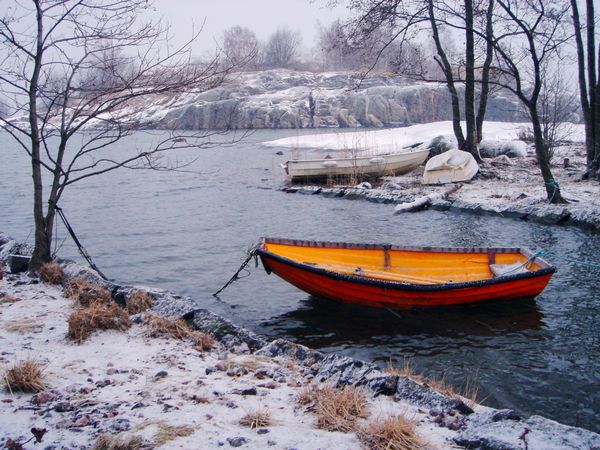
pixel 450 167
pixel 378 165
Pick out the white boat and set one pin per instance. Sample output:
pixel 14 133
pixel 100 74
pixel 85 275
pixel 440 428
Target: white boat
pixel 360 166
pixel 450 167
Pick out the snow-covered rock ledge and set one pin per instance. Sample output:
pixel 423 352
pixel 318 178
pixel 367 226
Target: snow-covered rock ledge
pixel 161 393
pixel 534 210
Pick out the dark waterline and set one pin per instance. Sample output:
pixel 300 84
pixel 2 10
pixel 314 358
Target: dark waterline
pixel 188 232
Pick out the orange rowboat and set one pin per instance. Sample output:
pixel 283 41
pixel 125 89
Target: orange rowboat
pixel 406 277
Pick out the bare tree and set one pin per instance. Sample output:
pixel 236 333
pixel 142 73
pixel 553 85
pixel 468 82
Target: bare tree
pixel 527 36
pixel 404 17
pixel 75 65
pixel 240 47
pixel 282 49
pixel 558 107
pixel 589 88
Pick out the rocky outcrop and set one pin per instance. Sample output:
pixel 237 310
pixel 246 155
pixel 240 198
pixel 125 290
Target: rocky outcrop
pixel 289 99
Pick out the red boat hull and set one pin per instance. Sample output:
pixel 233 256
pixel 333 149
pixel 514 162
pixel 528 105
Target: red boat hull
pixel 399 295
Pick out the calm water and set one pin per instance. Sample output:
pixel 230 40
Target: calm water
pixel 188 232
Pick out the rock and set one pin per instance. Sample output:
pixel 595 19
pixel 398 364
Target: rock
pixel 283 347
pixel 62 407
pixel 488 431
pixel 42 398
pixel 246 391
pixel 343 370
pixel 440 144
pixel 364 185
pixel 210 370
pixel 161 374
pixel 120 424
pixel 208 322
pixel 18 263
pixel 489 148
pixel 424 396
pixel 381 384
pixel 262 431
pixel 237 441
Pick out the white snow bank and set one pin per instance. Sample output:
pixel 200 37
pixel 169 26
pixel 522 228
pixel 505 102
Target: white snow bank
pixel 395 139
pixel 490 148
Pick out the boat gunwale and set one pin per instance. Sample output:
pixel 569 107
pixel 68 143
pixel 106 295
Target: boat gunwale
pixel 546 269
pixel 355 158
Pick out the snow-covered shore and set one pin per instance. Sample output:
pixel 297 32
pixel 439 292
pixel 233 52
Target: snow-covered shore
pixel 505 186
pixel 162 393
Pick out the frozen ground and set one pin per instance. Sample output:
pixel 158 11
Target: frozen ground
pixel 126 383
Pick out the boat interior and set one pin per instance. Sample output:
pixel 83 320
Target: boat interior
pixel 407 264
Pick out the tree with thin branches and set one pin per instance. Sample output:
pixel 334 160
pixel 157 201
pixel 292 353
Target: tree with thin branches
pixel 74 74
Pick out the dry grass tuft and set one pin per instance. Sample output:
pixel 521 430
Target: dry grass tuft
pixel 160 327
pixel 26 376
pixel 24 326
pixel 119 441
pixel 51 272
pixel 139 302
pixel 256 419
pixel 87 293
pixel 167 433
pixel 336 409
pixel 405 371
pixel 98 316
pixel 7 298
pixel 470 391
pixel 391 433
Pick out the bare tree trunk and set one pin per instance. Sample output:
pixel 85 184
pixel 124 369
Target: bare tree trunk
pixel 471 137
pixel 444 63
pixel 41 251
pixel 485 72
pixel 552 187
pixel 593 88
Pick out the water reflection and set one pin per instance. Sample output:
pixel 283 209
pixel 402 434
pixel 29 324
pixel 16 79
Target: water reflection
pixel 324 323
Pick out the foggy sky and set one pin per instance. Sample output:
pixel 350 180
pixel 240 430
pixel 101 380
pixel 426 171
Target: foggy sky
pixel 261 16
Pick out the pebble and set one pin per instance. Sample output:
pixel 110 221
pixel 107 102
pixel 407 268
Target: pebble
pixel 161 374
pixel 237 441
pixel 262 431
pixel 42 397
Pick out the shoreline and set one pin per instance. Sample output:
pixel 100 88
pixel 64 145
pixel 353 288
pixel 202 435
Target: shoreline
pixel 499 189
pixel 125 384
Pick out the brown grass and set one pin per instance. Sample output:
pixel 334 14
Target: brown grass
pixel 24 326
pixel 139 302
pixel 336 409
pixel 25 376
pixel 167 433
pixel 256 419
pixel 51 272
pixel 7 298
pixel 98 316
pixel 119 441
pixel 87 293
pixel 390 433
pixel 405 371
pixel 160 327
pixel 470 391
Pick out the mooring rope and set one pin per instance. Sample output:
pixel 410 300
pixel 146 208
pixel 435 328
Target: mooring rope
pixel 80 246
pixel 235 277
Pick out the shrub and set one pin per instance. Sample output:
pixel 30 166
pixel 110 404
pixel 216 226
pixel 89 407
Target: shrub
pixel 161 326
pixel 97 316
pixel 391 433
pixel 52 273
pixel 119 442
pixel 256 419
pixel 336 409
pixel 87 293
pixel 26 376
pixel 139 302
